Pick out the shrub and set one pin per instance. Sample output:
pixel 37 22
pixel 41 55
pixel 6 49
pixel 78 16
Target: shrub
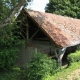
pixel 40 66
pixel 74 57
pixel 7 58
pixel 64 73
pixel 8 46
pixel 15 74
pixel 10 75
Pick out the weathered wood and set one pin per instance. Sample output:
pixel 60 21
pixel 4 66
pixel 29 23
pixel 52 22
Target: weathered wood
pixel 59 55
pixel 55 51
pixel 27 32
pixel 42 39
pixel 34 34
pixel 78 47
pixel 27 29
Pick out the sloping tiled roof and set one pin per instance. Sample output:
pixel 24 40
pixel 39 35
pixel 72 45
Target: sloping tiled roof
pixel 64 31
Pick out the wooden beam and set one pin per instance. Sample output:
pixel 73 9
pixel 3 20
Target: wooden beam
pixel 34 34
pixel 55 51
pixel 27 28
pixel 27 32
pixel 60 56
pixel 78 47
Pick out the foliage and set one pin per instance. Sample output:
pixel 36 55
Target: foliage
pixel 6 6
pixel 62 75
pixel 74 57
pixel 14 74
pixel 18 74
pixel 9 39
pixel 69 8
pixel 8 75
pixel 39 66
pixel 9 43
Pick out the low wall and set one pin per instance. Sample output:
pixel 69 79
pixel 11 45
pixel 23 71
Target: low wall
pixel 26 53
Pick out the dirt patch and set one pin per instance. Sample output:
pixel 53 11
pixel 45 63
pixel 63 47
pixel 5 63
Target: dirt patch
pixel 75 75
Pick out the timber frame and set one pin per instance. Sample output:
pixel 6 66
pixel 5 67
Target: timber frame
pixel 33 27
pixel 59 52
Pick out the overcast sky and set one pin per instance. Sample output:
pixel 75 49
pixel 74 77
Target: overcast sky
pixel 39 5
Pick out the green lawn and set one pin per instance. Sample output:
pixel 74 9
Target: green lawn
pixel 62 75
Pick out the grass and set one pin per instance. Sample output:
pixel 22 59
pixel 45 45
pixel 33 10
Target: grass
pixel 18 74
pixel 62 74
pixel 76 79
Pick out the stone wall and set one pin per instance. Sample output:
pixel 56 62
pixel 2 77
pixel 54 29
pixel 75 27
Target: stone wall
pixel 26 53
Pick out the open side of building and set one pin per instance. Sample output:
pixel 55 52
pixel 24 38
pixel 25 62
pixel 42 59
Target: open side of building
pixel 48 33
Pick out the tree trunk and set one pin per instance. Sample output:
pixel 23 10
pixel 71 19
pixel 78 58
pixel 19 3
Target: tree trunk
pixel 7 20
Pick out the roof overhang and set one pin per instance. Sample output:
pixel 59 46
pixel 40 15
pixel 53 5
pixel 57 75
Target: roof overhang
pixel 63 31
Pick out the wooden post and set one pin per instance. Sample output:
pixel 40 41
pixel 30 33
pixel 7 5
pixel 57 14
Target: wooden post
pixel 78 47
pixel 59 55
pixel 27 32
pixel 35 50
pixel 56 54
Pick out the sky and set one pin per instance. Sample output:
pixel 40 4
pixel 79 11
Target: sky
pixel 38 5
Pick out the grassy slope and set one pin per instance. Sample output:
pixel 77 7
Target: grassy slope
pixel 62 75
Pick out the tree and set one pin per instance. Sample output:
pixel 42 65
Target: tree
pixel 8 8
pixel 9 41
pixel 69 8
